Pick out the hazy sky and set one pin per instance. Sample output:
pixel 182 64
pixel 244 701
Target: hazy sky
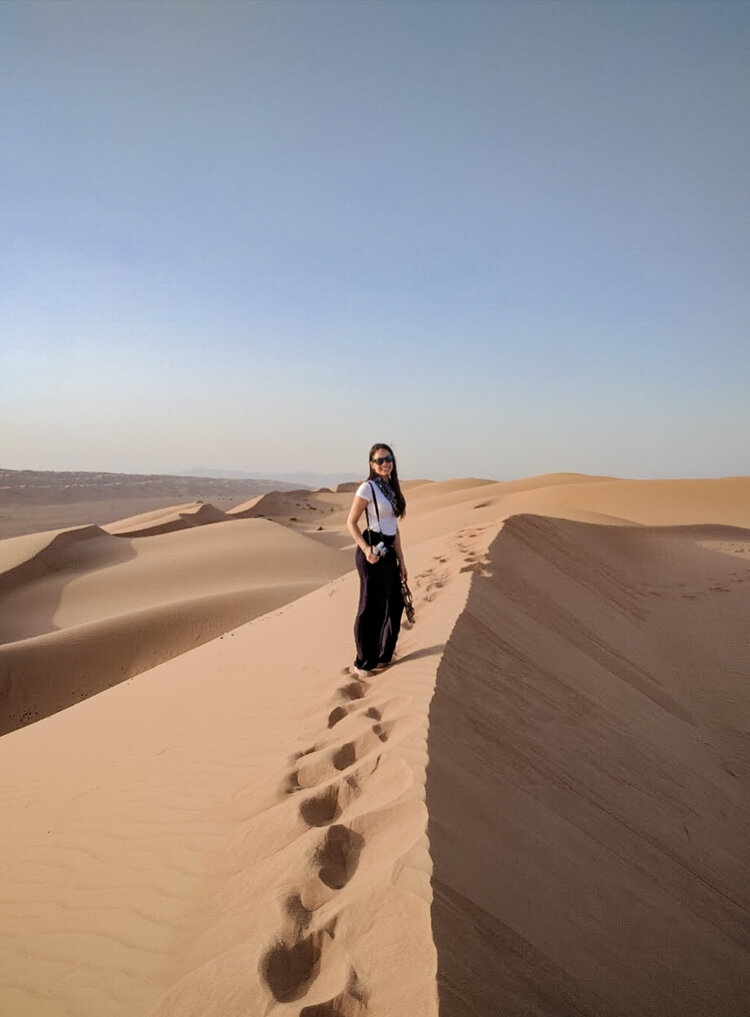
pixel 507 237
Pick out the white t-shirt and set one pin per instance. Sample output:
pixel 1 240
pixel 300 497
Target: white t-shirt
pixel 388 518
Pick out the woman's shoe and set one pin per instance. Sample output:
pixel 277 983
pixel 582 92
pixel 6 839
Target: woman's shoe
pixel 359 672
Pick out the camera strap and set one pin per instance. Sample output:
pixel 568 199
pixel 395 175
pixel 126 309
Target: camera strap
pixel 367 514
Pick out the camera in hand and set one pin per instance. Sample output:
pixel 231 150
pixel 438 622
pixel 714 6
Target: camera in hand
pixel 380 549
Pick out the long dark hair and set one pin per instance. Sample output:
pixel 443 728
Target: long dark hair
pixel 393 480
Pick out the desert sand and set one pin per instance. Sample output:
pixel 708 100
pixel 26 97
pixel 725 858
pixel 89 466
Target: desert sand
pixel 540 809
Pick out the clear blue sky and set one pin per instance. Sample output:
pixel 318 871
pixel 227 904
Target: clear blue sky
pixel 508 237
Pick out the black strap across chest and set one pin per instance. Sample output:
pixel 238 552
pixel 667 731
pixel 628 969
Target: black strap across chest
pixel 377 512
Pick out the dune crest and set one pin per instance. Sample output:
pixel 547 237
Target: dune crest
pixel 179 517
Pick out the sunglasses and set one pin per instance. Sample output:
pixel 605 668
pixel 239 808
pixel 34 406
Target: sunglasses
pixel 383 459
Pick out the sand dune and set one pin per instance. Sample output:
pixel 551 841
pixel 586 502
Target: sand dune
pixel 602 500
pixel 88 609
pixel 37 554
pixel 588 777
pixel 278 503
pixel 253 823
pixel 318 514
pixel 167 520
pixel 243 829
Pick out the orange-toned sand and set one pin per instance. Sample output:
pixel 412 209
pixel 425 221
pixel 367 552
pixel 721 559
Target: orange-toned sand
pixel 541 809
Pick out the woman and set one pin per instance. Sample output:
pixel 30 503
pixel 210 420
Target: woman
pixel 379 560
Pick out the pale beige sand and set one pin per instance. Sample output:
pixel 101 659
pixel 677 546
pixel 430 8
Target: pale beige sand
pixel 171 850
pixel 82 610
pixel 243 829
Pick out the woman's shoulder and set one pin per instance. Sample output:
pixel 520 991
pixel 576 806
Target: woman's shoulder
pixel 364 490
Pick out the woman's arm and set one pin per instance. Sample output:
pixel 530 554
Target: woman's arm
pixel 400 555
pixel 352 525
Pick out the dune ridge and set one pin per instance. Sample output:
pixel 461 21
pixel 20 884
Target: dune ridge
pixel 180 517
pixel 539 809
pixel 28 557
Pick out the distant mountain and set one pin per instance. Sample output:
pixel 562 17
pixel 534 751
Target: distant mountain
pixel 56 487
pixel 287 479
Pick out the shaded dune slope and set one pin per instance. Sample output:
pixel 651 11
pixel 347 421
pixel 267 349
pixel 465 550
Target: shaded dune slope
pixel 176 517
pixel 588 778
pixel 33 556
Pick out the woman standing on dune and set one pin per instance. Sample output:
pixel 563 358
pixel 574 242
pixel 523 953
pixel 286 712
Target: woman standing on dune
pixel 379 560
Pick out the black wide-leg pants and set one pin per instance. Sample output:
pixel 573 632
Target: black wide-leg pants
pixel 381 603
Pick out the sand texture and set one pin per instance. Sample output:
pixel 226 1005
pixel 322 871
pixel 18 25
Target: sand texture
pixel 540 809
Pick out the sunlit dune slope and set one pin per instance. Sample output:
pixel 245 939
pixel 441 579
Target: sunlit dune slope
pixel 241 830
pixel 646 502
pixel 589 775
pixel 90 609
pixel 285 504
pixel 318 514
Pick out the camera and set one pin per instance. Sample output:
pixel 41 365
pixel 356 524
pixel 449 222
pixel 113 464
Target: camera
pixel 380 549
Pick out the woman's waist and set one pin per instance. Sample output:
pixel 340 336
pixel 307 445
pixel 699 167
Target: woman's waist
pixel 374 537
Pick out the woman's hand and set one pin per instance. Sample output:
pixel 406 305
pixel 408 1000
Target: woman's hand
pixel 404 570
pixel 371 556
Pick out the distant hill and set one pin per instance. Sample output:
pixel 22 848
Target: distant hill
pixel 282 481
pixel 51 486
pixel 36 500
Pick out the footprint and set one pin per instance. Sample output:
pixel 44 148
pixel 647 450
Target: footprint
pixel 326 763
pixel 354 690
pixel 378 730
pixel 336 715
pixel 340 712
pixel 322 809
pixel 300 916
pixel 345 756
pixel 291 785
pixel 327 806
pixel 338 856
pixel 289 969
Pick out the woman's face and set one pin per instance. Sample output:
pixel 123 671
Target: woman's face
pixel 382 469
